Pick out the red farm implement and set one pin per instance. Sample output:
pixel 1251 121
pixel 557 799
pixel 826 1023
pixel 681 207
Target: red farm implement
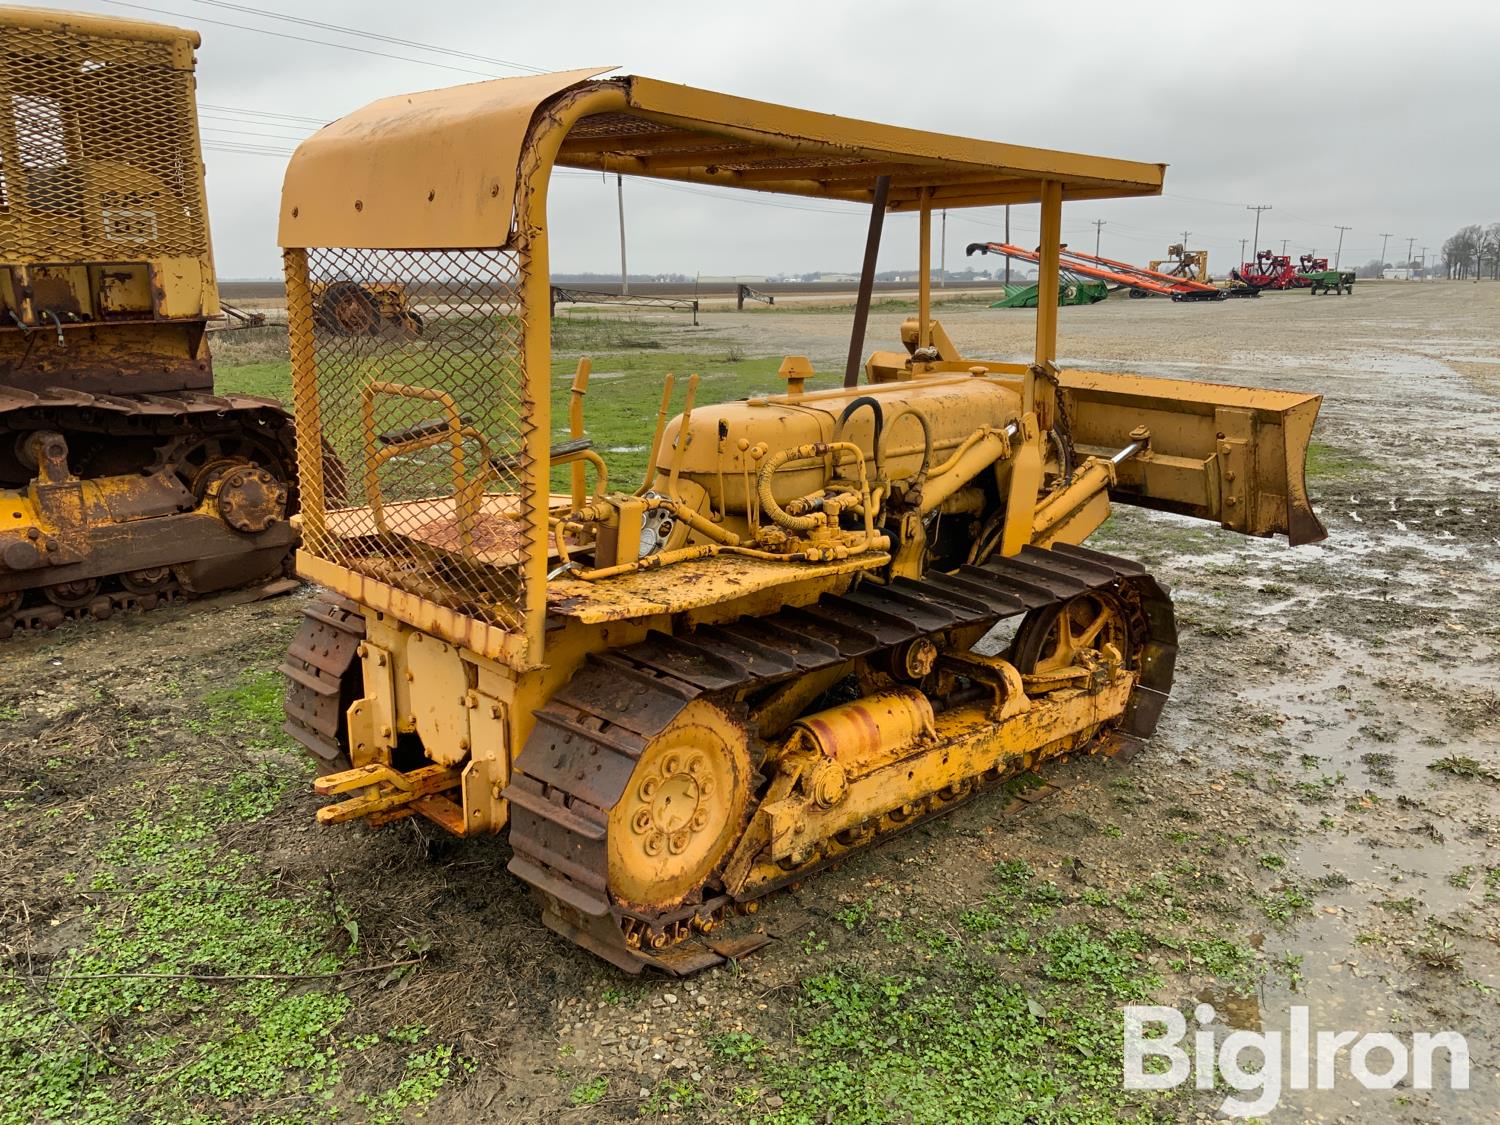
pixel 1269 271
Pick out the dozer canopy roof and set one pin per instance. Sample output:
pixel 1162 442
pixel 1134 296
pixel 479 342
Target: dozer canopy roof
pixel 441 169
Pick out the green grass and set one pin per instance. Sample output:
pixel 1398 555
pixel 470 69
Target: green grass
pixel 1006 1011
pixel 201 984
pixel 625 393
pixel 1327 462
pixel 271 379
pixel 253 707
pixel 957 1041
pixel 168 901
pixel 629 367
pixel 888 304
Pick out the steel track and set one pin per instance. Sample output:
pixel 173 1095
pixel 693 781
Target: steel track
pixel 581 755
pixel 589 736
pixel 94 423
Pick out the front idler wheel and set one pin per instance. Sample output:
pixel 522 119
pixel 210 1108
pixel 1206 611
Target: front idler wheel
pixel 682 812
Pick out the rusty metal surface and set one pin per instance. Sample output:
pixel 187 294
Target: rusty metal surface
pixel 437 169
pixel 321 656
pixel 115 357
pixel 690 585
pixel 590 736
pixel 109 488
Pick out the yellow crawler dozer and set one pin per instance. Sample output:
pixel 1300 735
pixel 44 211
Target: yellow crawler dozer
pixel 825 615
pixel 125 480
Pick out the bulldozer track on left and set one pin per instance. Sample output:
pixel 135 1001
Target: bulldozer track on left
pixel 589 738
pixel 318 692
pixel 187 435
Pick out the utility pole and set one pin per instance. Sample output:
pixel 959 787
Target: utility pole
pixel 1242 249
pixel 1424 263
pixel 1284 241
pixel 1410 242
pixel 1184 240
pixel 1339 253
pixel 1099 225
pixel 943 254
pixel 624 273
pixel 1007 242
pixel 1255 243
pixel 1384 239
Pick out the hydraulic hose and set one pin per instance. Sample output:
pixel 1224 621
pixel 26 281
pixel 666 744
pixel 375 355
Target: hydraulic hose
pixel 876 411
pixel 766 478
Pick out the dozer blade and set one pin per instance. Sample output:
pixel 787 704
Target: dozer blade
pixel 1232 454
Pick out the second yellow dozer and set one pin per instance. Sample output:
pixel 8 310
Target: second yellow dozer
pixel 827 614
pixel 125 481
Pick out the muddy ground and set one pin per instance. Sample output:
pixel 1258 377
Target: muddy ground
pixel 1314 824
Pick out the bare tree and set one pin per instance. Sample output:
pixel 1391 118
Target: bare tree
pixel 1464 249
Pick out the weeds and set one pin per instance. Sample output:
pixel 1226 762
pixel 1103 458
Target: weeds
pixel 854 917
pixel 670 1097
pixel 1457 765
pixel 1328 462
pixel 590 1092
pixel 128 1025
pixel 1437 951
pixel 1281 906
pixel 736 1046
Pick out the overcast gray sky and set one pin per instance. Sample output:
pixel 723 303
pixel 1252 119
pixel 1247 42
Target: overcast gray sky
pixel 1378 115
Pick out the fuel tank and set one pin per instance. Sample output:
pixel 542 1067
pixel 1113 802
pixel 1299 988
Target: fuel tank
pixel 726 442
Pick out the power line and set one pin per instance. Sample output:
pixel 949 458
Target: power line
pixel 248 149
pixel 298 131
pixel 247 133
pixel 298 38
pixel 262 113
pixel 375 35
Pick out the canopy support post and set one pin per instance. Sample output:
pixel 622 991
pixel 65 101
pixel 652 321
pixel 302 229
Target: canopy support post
pixel 866 281
pixel 924 270
pixel 1040 398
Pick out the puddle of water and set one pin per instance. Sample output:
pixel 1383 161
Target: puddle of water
pixel 1238 1010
